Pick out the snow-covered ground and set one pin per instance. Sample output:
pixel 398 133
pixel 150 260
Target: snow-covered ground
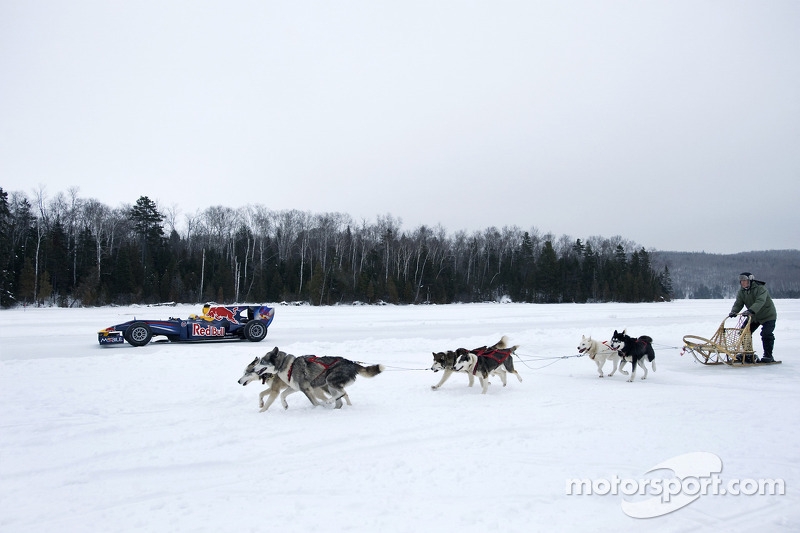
pixel 163 438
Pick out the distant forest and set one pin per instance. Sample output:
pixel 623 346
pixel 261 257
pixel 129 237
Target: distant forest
pixel 701 275
pixel 70 251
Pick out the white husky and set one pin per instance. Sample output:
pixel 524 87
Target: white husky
pixel 600 352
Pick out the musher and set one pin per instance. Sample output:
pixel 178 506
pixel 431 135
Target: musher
pixel 754 295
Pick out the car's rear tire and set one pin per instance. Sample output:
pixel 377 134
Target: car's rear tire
pixel 139 333
pixel 255 331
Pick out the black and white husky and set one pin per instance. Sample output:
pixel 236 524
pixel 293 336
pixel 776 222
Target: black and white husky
pixel 482 362
pixel 446 361
pixel 309 372
pixel 274 387
pixel 634 351
pixel 600 352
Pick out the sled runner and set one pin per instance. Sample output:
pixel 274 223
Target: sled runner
pixel 731 346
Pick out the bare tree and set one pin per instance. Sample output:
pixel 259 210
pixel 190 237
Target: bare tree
pixel 286 231
pixel 171 216
pixel 41 226
pixel 97 217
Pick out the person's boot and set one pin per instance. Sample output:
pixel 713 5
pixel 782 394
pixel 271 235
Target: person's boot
pixel 768 343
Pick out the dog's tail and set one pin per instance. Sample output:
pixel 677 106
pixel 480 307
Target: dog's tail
pixel 645 338
pixel 503 344
pixel 370 371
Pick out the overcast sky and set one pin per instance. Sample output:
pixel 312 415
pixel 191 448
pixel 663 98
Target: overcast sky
pixel 675 124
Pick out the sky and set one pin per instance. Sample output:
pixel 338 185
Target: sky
pixel 674 124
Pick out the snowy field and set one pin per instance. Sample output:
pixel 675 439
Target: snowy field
pixel 163 438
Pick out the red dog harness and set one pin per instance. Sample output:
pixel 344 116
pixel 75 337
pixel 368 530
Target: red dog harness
pixel 605 343
pixel 485 352
pixel 313 359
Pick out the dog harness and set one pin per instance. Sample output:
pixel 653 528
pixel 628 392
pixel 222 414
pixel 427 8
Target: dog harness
pixel 605 343
pixel 313 359
pixel 485 352
pixel 316 359
pixel 625 356
pixel 643 342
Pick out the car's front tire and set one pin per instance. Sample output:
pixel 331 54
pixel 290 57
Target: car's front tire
pixel 139 334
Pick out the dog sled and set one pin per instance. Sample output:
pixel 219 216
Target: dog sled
pixel 732 346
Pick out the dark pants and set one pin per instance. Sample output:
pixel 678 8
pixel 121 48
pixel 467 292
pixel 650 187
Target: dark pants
pixel 767 337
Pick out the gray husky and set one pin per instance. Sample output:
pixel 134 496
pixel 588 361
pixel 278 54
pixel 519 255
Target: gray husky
pixel 493 360
pixel 274 387
pixel 446 361
pixel 309 372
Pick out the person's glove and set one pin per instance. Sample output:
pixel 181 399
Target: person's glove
pixel 731 315
pixel 747 313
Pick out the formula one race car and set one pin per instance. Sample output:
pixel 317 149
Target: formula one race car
pixel 216 323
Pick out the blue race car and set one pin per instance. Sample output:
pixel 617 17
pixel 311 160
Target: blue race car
pixel 216 323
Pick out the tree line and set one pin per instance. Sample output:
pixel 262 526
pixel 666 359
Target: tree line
pixel 69 251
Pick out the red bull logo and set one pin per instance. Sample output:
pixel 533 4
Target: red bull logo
pixel 207 331
pixel 220 313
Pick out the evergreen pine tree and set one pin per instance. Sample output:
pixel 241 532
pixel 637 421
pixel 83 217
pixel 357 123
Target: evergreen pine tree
pixel 6 255
pixel 147 223
pixel 547 274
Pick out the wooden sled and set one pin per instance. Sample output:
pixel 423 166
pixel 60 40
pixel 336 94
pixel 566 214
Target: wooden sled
pixel 732 346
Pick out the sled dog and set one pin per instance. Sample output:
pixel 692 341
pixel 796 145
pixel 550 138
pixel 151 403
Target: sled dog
pixel 309 372
pixel 446 361
pixel 274 387
pixel 634 351
pixel 497 359
pixel 600 352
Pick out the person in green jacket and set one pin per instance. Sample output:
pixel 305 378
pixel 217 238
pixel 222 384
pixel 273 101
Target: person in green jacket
pixel 754 295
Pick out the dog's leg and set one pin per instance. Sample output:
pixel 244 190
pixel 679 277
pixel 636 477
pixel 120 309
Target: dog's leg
pixel 502 373
pixel 484 381
pixel 273 393
pixel 261 397
pixel 327 400
pixel 336 396
pixel 509 366
pixel 600 362
pixel 614 362
pixel 633 373
pixel 320 394
pixel 444 378
pixel 344 396
pixel 641 364
pixel 621 366
pixel 485 384
pixel 471 379
pixel 275 387
pixel 310 395
pixel 286 393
